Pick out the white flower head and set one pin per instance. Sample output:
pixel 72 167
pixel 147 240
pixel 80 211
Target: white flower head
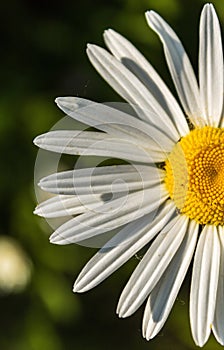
pixel 170 191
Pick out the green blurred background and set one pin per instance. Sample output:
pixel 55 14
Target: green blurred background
pixel 42 57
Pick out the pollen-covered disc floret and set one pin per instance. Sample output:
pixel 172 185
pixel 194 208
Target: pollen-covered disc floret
pixel 195 175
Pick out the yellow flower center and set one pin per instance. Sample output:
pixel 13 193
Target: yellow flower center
pixel 195 175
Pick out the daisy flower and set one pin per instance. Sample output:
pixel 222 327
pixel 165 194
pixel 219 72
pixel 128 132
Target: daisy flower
pixel 173 174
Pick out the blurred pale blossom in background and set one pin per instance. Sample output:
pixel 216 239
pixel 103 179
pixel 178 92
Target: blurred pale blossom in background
pixel 15 267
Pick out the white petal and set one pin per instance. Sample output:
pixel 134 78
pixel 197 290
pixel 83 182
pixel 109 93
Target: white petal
pixel 109 216
pixel 204 284
pixel 211 65
pixel 163 296
pixel 124 51
pixel 108 179
pixel 180 68
pixel 116 123
pixel 122 247
pixel 218 325
pixel 87 143
pixel 68 205
pixel 131 89
pixel 152 266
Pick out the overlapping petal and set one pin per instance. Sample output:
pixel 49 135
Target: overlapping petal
pixel 164 294
pixel 108 179
pixel 131 89
pixel 150 269
pixel 180 68
pixel 87 143
pixel 122 247
pixel 123 50
pixel 111 215
pixel 117 123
